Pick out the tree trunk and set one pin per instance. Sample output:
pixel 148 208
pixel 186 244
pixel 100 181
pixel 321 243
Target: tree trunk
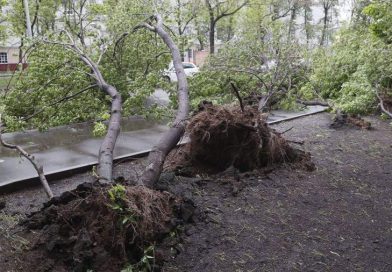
pixel 170 139
pixel 293 16
pixel 28 22
pixel 212 36
pixel 313 103
pixel 325 24
pixel 105 157
pixel 307 23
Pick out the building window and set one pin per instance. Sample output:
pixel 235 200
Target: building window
pixel 3 57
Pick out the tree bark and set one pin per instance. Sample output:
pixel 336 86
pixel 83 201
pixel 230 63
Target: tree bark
pixel 170 139
pixel 383 108
pixel 105 155
pixel 28 22
pixel 215 17
pixel 325 25
pixel 212 37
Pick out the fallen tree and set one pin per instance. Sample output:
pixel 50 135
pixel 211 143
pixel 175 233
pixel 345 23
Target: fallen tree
pixel 170 139
pixel 222 137
pixel 105 155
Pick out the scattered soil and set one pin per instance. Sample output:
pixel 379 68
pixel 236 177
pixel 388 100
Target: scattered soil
pixel 279 218
pixel 336 218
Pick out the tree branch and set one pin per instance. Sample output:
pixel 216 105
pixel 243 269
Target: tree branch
pixel 39 168
pixel 66 98
pixel 381 104
pixel 237 94
pixel 313 103
pixel 105 155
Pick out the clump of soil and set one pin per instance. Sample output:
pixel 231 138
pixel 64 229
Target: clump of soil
pixel 349 120
pixel 223 136
pixel 100 228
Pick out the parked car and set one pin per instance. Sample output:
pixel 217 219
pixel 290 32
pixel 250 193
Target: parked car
pixel 189 68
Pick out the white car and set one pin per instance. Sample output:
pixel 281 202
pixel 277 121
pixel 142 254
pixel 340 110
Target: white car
pixel 189 68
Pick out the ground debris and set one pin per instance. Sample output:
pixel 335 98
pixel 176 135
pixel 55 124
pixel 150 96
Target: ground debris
pixel 343 119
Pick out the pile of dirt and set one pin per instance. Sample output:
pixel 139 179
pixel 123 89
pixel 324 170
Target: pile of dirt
pixel 102 228
pixel 342 119
pixel 224 136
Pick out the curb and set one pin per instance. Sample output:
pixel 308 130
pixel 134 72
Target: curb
pixel 14 185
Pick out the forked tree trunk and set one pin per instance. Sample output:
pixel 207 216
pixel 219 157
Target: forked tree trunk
pixel 170 139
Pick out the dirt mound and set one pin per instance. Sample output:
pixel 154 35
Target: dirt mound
pixel 102 229
pixel 348 120
pixel 221 137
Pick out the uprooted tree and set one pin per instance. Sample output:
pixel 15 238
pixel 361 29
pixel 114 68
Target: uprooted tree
pixel 170 139
pixel 105 155
pixel 228 136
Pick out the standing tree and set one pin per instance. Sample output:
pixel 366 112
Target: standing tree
pixel 327 6
pixel 185 12
pixel 217 10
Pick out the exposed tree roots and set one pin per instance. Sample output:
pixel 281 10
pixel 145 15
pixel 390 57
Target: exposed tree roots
pixel 100 228
pixel 221 137
pixel 343 119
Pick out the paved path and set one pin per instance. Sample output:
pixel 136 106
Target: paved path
pixel 70 147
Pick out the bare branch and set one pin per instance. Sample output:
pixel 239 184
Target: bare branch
pixel 39 168
pixel 381 104
pixel 237 94
pixel 66 98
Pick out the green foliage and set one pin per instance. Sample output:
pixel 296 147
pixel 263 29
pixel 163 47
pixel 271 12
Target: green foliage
pixel 41 97
pixel 289 103
pixel 145 264
pixel 255 63
pixel 213 86
pixel 384 116
pixel 350 70
pixel 380 11
pixel 356 95
pixel 47 93
pixel 99 129
pixel 117 197
pixel 134 64
pixel 117 193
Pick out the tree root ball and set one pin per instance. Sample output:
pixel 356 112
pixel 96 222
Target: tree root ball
pixel 224 136
pixel 342 119
pixel 102 228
